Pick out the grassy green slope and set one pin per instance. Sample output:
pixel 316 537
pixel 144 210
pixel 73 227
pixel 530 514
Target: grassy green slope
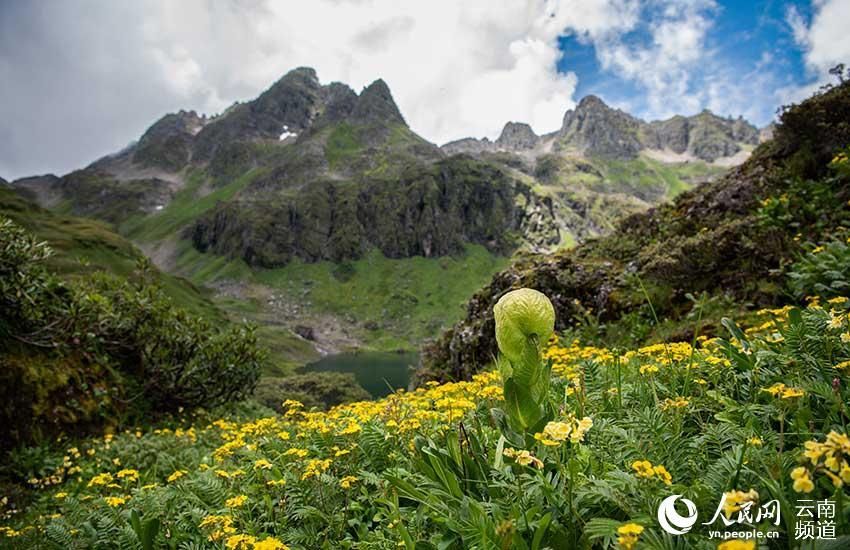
pixel 186 206
pixel 406 299
pixel 82 245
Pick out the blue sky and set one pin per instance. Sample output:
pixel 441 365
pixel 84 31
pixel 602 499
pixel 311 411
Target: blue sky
pixel 76 88
pixel 744 39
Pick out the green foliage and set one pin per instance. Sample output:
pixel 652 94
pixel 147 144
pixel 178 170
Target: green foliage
pixel 420 301
pixel 81 247
pixel 75 353
pixel 824 271
pixel 435 468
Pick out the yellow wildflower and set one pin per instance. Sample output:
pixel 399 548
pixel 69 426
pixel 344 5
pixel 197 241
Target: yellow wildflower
pixel 236 502
pixel 269 543
pixel 737 544
pixel 115 501
pixel 240 542
pixel 177 474
pixel 628 535
pixel 802 481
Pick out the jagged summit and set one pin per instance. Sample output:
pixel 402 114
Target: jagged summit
pixel 167 144
pixel 376 104
pixel 595 129
pixel 517 136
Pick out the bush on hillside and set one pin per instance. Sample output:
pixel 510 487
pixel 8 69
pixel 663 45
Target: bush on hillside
pixel 74 355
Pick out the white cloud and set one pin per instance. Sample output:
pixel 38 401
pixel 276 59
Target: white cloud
pixel 91 84
pixel 824 39
pixel 78 87
pixel 664 64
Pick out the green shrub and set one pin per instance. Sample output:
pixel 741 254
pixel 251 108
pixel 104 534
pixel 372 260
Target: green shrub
pixel 76 354
pixel 824 270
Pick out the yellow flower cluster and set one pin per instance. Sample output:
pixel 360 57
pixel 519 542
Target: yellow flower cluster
pixel 114 502
pixel 176 475
pixel 782 391
pixel 523 457
pixel 315 467
pixel 832 458
pixel 628 535
pixel 565 360
pixel 734 501
pixel 236 502
pixel 645 469
pixel 218 527
pixel 555 433
pixel 677 403
pixel 128 475
pixel 664 354
pixel 737 544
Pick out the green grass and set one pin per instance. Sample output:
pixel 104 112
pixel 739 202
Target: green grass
pixel 188 205
pixel 406 299
pixel 643 172
pixel 342 144
pixel 83 246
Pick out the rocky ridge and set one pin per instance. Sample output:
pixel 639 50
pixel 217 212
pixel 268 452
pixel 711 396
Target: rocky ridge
pixel 595 129
pixel 324 172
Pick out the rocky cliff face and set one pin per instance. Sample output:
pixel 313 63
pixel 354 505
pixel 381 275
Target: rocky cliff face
pixel 517 136
pixel 595 129
pixel 428 211
pixel 168 143
pixel 704 136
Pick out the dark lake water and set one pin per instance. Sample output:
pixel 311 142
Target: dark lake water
pixel 379 373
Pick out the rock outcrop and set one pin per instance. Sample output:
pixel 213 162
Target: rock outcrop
pixel 594 129
pixel 517 136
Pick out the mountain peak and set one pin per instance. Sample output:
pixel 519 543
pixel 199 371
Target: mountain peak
pixel 376 104
pixel 597 129
pixel 517 136
pixel 591 101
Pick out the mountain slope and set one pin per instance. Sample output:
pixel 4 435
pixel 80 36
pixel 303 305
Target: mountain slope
pixel 83 246
pixel 728 239
pixel 312 173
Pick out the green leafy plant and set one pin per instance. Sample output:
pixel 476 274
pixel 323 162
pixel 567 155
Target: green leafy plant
pixel 824 270
pixel 525 320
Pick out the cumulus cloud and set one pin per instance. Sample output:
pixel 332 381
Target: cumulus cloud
pixel 83 78
pixel 663 63
pixel 824 38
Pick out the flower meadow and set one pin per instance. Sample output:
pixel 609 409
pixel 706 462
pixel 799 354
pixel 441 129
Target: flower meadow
pixel 560 445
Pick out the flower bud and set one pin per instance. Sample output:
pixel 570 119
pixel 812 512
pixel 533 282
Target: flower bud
pixel 520 315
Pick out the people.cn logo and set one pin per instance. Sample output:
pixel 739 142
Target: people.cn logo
pixel 671 521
